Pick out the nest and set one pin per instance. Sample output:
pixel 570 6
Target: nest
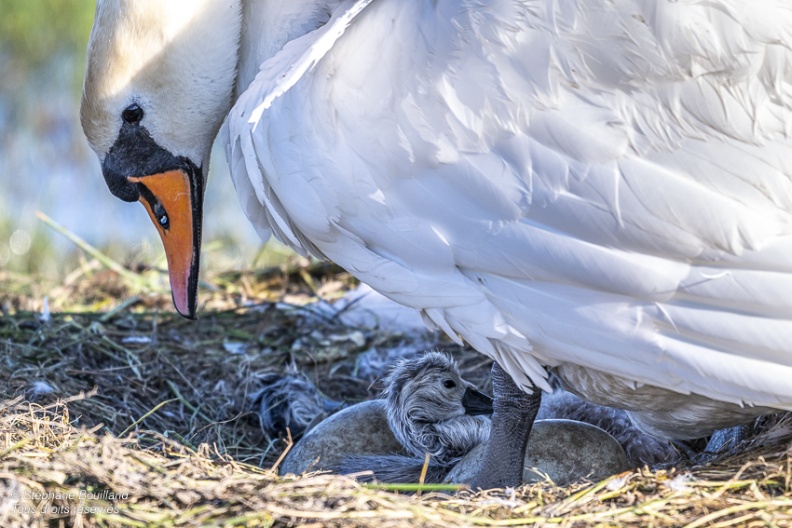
pixel 135 417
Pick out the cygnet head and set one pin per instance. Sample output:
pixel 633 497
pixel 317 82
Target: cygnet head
pixel 431 409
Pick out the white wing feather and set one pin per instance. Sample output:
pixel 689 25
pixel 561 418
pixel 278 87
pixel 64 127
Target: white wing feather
pixel 300 55
pixel 597 183
pixel 277 75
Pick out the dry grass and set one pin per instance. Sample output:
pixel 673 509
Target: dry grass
pixel 135 417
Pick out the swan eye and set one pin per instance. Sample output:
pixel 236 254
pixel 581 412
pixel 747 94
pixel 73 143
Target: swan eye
pixel 449 384
pixel 132 114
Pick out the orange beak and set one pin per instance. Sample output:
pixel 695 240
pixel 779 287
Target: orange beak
pixel 174 205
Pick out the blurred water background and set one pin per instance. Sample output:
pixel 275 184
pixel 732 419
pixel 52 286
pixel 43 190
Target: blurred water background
pixel 47 165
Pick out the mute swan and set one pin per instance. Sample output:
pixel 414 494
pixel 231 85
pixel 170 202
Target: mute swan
pixel 432 410
pixel 597 188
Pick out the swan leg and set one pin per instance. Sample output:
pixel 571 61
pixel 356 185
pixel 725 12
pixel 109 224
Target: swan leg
pixel 514 412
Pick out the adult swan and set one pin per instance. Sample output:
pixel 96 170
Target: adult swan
pixel 598 188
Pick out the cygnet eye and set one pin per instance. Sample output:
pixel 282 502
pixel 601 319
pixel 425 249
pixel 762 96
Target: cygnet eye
pixel 449 384
pixel 132 114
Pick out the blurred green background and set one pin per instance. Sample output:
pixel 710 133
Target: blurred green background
pixel 47 165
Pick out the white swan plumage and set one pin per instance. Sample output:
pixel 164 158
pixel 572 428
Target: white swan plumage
pixel 599 188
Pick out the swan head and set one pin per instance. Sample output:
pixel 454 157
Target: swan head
pixel 158 84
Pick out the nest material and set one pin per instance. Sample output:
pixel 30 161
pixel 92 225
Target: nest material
pixel 145 419
pixel 54 473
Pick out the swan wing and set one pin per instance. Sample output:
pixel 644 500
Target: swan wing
pixel 596 183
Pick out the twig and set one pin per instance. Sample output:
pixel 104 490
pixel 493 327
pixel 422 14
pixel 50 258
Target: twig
pixel 411 487
pixel 289 445
pixel 126 303
pixel 152 411
pixel 95 253
pixel 16 446
pixel 424 469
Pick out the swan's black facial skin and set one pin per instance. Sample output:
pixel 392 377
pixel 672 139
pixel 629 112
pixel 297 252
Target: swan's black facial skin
pixel 135 154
